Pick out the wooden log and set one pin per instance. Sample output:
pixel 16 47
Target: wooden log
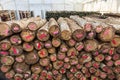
pixel 52 50
pixel 42 33
pixel 27 74
pixel 10 74
pixel 71 42
pixel 61 56
pixel 91 34
pixel 31 58
pixel 27 35
pixel 90 45
pixel 18 76
pixel 36 68
pixel 15 40
pixel 115 42
pixel 38 45
pixel 77 33
pixel 63 47
pixel 43 53
pixel 7 60
pixel 5 45
pixel 79 20
pixel 4 53
pixel 53 57
pixel 79 46
pixel 15 50
pixel 36 24
pixel 57 64
pixel 44 62
pixel 99 28
pixel 65 30
pixel 56 42
pixel 20 58
pixel 54 28
pixel 48 44
pixel 107 34
pixel 20 67
pixel 72 52
pixel 5 68
pixel 5 30
pixel 15 28
pixel 28 47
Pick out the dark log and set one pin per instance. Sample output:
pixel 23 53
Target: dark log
pixel 31 58
pixel 20 67
pixel 36 68
pixel 48 44
pixel 15 28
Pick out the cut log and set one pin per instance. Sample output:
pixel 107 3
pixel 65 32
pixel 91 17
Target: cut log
pixel 36 68
pixel 38 44
pixel 77 32
pixel 52 50
pixel 43 53
pixel 79 46
pixel 107 34
pixel 36 24
pixel 7 60
pixel 115 42
pixel 27 35
pixel 5 68
pixel 28 46
pixel 54 28
pixel 20 58
pixel 48 44
pixel 9 75
pixel 5 30
pixel 31 58
pixel 20 67
pixel 15 50
pixel 42 33
pixel 15 40
pixel 65 30
pixel 63 47
pixel 5 45
pixel 90 45
pixel 71 42
pixel 15 28
pixel 56 42
pixel 44 61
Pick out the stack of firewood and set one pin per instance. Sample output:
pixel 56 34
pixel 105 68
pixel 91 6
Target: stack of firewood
pixel 67 49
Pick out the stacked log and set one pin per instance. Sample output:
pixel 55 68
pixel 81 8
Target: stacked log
pixel 65 49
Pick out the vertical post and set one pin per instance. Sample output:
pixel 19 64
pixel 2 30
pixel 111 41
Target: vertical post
pixel 17 12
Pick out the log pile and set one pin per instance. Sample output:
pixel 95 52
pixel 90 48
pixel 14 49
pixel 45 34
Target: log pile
pixel 65 49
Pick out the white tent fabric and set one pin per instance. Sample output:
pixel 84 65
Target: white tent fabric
pixel 60 5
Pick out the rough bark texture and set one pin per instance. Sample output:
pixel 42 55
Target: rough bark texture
pixel 67 49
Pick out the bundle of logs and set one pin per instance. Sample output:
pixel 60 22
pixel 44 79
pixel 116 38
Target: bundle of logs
pixel 67 49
